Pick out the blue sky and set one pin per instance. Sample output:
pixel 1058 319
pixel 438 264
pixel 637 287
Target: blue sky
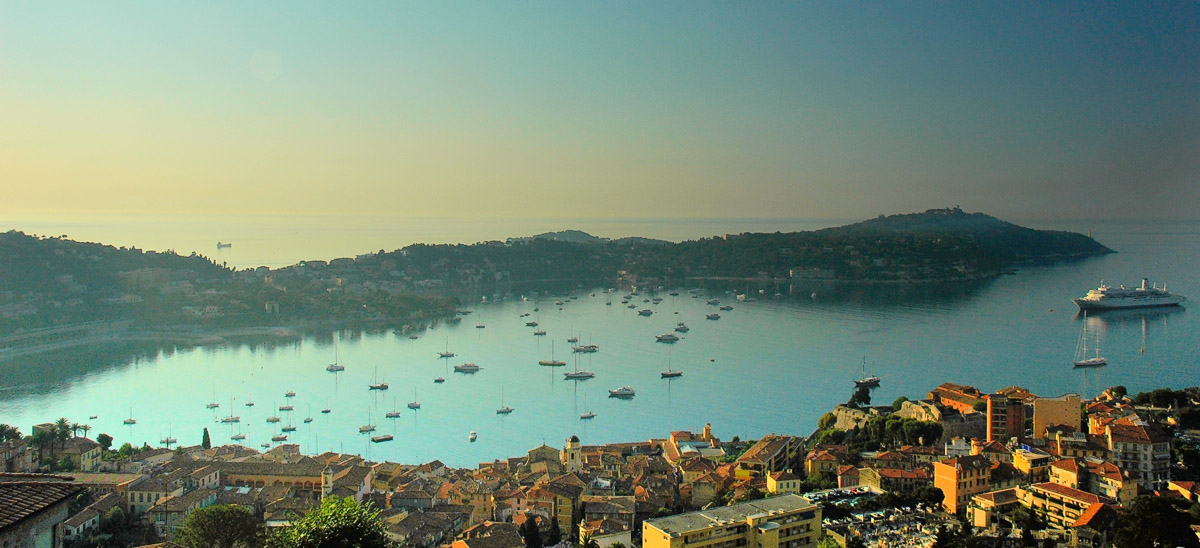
pixel 617 109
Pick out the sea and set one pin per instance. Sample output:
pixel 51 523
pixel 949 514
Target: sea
pixel 784 355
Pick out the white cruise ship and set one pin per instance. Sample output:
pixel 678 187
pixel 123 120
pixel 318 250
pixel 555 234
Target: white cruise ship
pixel 1105 297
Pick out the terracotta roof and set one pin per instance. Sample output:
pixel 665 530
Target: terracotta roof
pixel 968 462
pixel 1128 433
pixel 1097 516
pixel 898 473
pixel 1063 490
pixel 22 499
pixel 1003 496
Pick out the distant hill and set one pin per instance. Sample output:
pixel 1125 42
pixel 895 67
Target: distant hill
pixel 581 237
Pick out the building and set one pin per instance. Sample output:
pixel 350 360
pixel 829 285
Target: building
pixel 786 521
pixel 33 508
pixel 1006 417
pixel 83 452
pixel 781 483
pixel 960 479
pixel 1061 506
pixel 1096 477
pixel 964 399
pixel 490 535
pixel 1066 410
pixel 17 456
pixel 893 479
pixel 817 463
pixel 772 453
pixel 986 508
pixel 1143 451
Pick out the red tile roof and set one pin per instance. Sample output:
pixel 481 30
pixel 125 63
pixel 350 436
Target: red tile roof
pixel 22 499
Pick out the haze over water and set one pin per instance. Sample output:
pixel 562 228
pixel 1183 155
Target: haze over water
pixel 776 365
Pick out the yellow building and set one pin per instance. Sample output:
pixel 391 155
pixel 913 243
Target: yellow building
pixel 1065 410
pixel 1060 505
pixel 786 521
pixel 780 483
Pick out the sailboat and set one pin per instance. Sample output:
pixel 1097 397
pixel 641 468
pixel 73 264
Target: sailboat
pixel 309 418
pixel 394 413
pixel 414 404
pixel 577 374
pixel 377 385
pixel 447 353
pixel 1081 349
pixel 504 409
pixel 273 418
pixel 586 414
pixel 552 362
pixel 367 427
pixel 671 373
pixel 869 382
pixel 336 366
pixel 231 418
pixel 213 404
pixel 130 420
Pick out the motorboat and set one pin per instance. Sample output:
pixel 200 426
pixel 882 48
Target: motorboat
pixel 382 438
pixel 667 338
pixel 622 392
pixel 467 368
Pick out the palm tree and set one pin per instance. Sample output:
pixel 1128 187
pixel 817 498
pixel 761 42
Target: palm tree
pixel 8 432
pixel 85 428
pixel 41 440
pixel 75 428
pixel 62 427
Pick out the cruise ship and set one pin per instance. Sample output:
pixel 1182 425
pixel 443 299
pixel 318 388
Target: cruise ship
pixel 1105 297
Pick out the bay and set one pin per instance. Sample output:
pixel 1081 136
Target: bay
pixel 772 365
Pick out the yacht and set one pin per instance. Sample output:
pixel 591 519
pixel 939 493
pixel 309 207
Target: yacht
pixel 622 392
pixel 531 324
pixel 539 333
pixel 366 428
pixel 237 437
pixel 335 367
pixel 585 349
pixel 671 373
pixel 725 307
pixel 712 316
pixel 865 381
pixel 287 408
pixel 682 327
pixel 377 385
pixel 326 411
pixel 479 326
pixel 467 368
pixel 578 374
pixel 290 394
pixel 1105 297
pixel 667 338
pixel 714 302
pixel 552 362
pixel 439 380
pixel 645 312
pixel 446 354
pixel 288 428
pixel 504 409
pixel 1081 350
pixel 587 415
pixel 573 340
pixel 281 437
pixel 307 420
pixel 231 419
pixel 472 436
pixel 414 404
pixel 272 419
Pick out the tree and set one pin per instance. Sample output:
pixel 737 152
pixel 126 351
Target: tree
pixel 827 420
pixel 62 429
pixel 338 522
pixel 898 402
pixel 554 536
pixel 105 441
pixel 1154 521
pixel 220 526
pixel 40 440
pixel 8 432
pixel 205 441
pixel 529 532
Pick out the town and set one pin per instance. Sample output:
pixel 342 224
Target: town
pixel 959 467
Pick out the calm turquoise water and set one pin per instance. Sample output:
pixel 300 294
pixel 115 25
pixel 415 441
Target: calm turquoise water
pixel 774 365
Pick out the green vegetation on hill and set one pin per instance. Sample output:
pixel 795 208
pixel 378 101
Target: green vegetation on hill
pixel 52 281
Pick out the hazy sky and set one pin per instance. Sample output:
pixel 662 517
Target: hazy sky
pixel 601 109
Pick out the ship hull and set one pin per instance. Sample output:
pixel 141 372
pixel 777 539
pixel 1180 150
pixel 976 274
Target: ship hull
pixel 1085 304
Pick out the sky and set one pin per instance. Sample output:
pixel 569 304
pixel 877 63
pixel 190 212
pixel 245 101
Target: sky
pixel 600 110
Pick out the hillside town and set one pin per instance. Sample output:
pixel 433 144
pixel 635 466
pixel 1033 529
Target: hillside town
pixel 1000 468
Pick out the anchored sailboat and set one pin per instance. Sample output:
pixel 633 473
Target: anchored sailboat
pixel 1081 349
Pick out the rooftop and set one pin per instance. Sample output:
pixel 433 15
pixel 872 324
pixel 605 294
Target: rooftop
pixel 22 499
pixel 726 515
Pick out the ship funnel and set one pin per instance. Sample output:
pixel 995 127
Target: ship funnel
pixel 1145 281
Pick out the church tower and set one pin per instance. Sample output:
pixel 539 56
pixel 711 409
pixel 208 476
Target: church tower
pixel 326 482
pixel 572 455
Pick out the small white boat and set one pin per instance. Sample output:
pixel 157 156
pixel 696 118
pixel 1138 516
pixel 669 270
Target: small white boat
pixel 334 368
pixel 272 419
pixel 281 437
pixel 326 411
pixel 414 404
pixel 578 375
pixel 622 392
pixel 725 307
pixel 287 408
pixel 366 428
pixel 587 415
pixel 504 409
pixel 539 333
pixel 645 312
pixel 439 380
pixel 682 327
pixel 472 436
pixel 289 394
pixel 666 338
pixel 288 428
pixel 237 437
pixel 712 316
pixel 231 419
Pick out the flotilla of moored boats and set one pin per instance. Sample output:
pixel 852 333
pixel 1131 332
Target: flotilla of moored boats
pixel 376 384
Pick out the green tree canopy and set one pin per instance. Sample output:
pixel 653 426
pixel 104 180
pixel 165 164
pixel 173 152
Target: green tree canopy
pixel 1154 521
pixel 220 526
pixel 105 441
pixel 205 441
pixel 338 523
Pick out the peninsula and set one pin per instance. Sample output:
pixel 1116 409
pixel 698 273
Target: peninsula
pixel 53 285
